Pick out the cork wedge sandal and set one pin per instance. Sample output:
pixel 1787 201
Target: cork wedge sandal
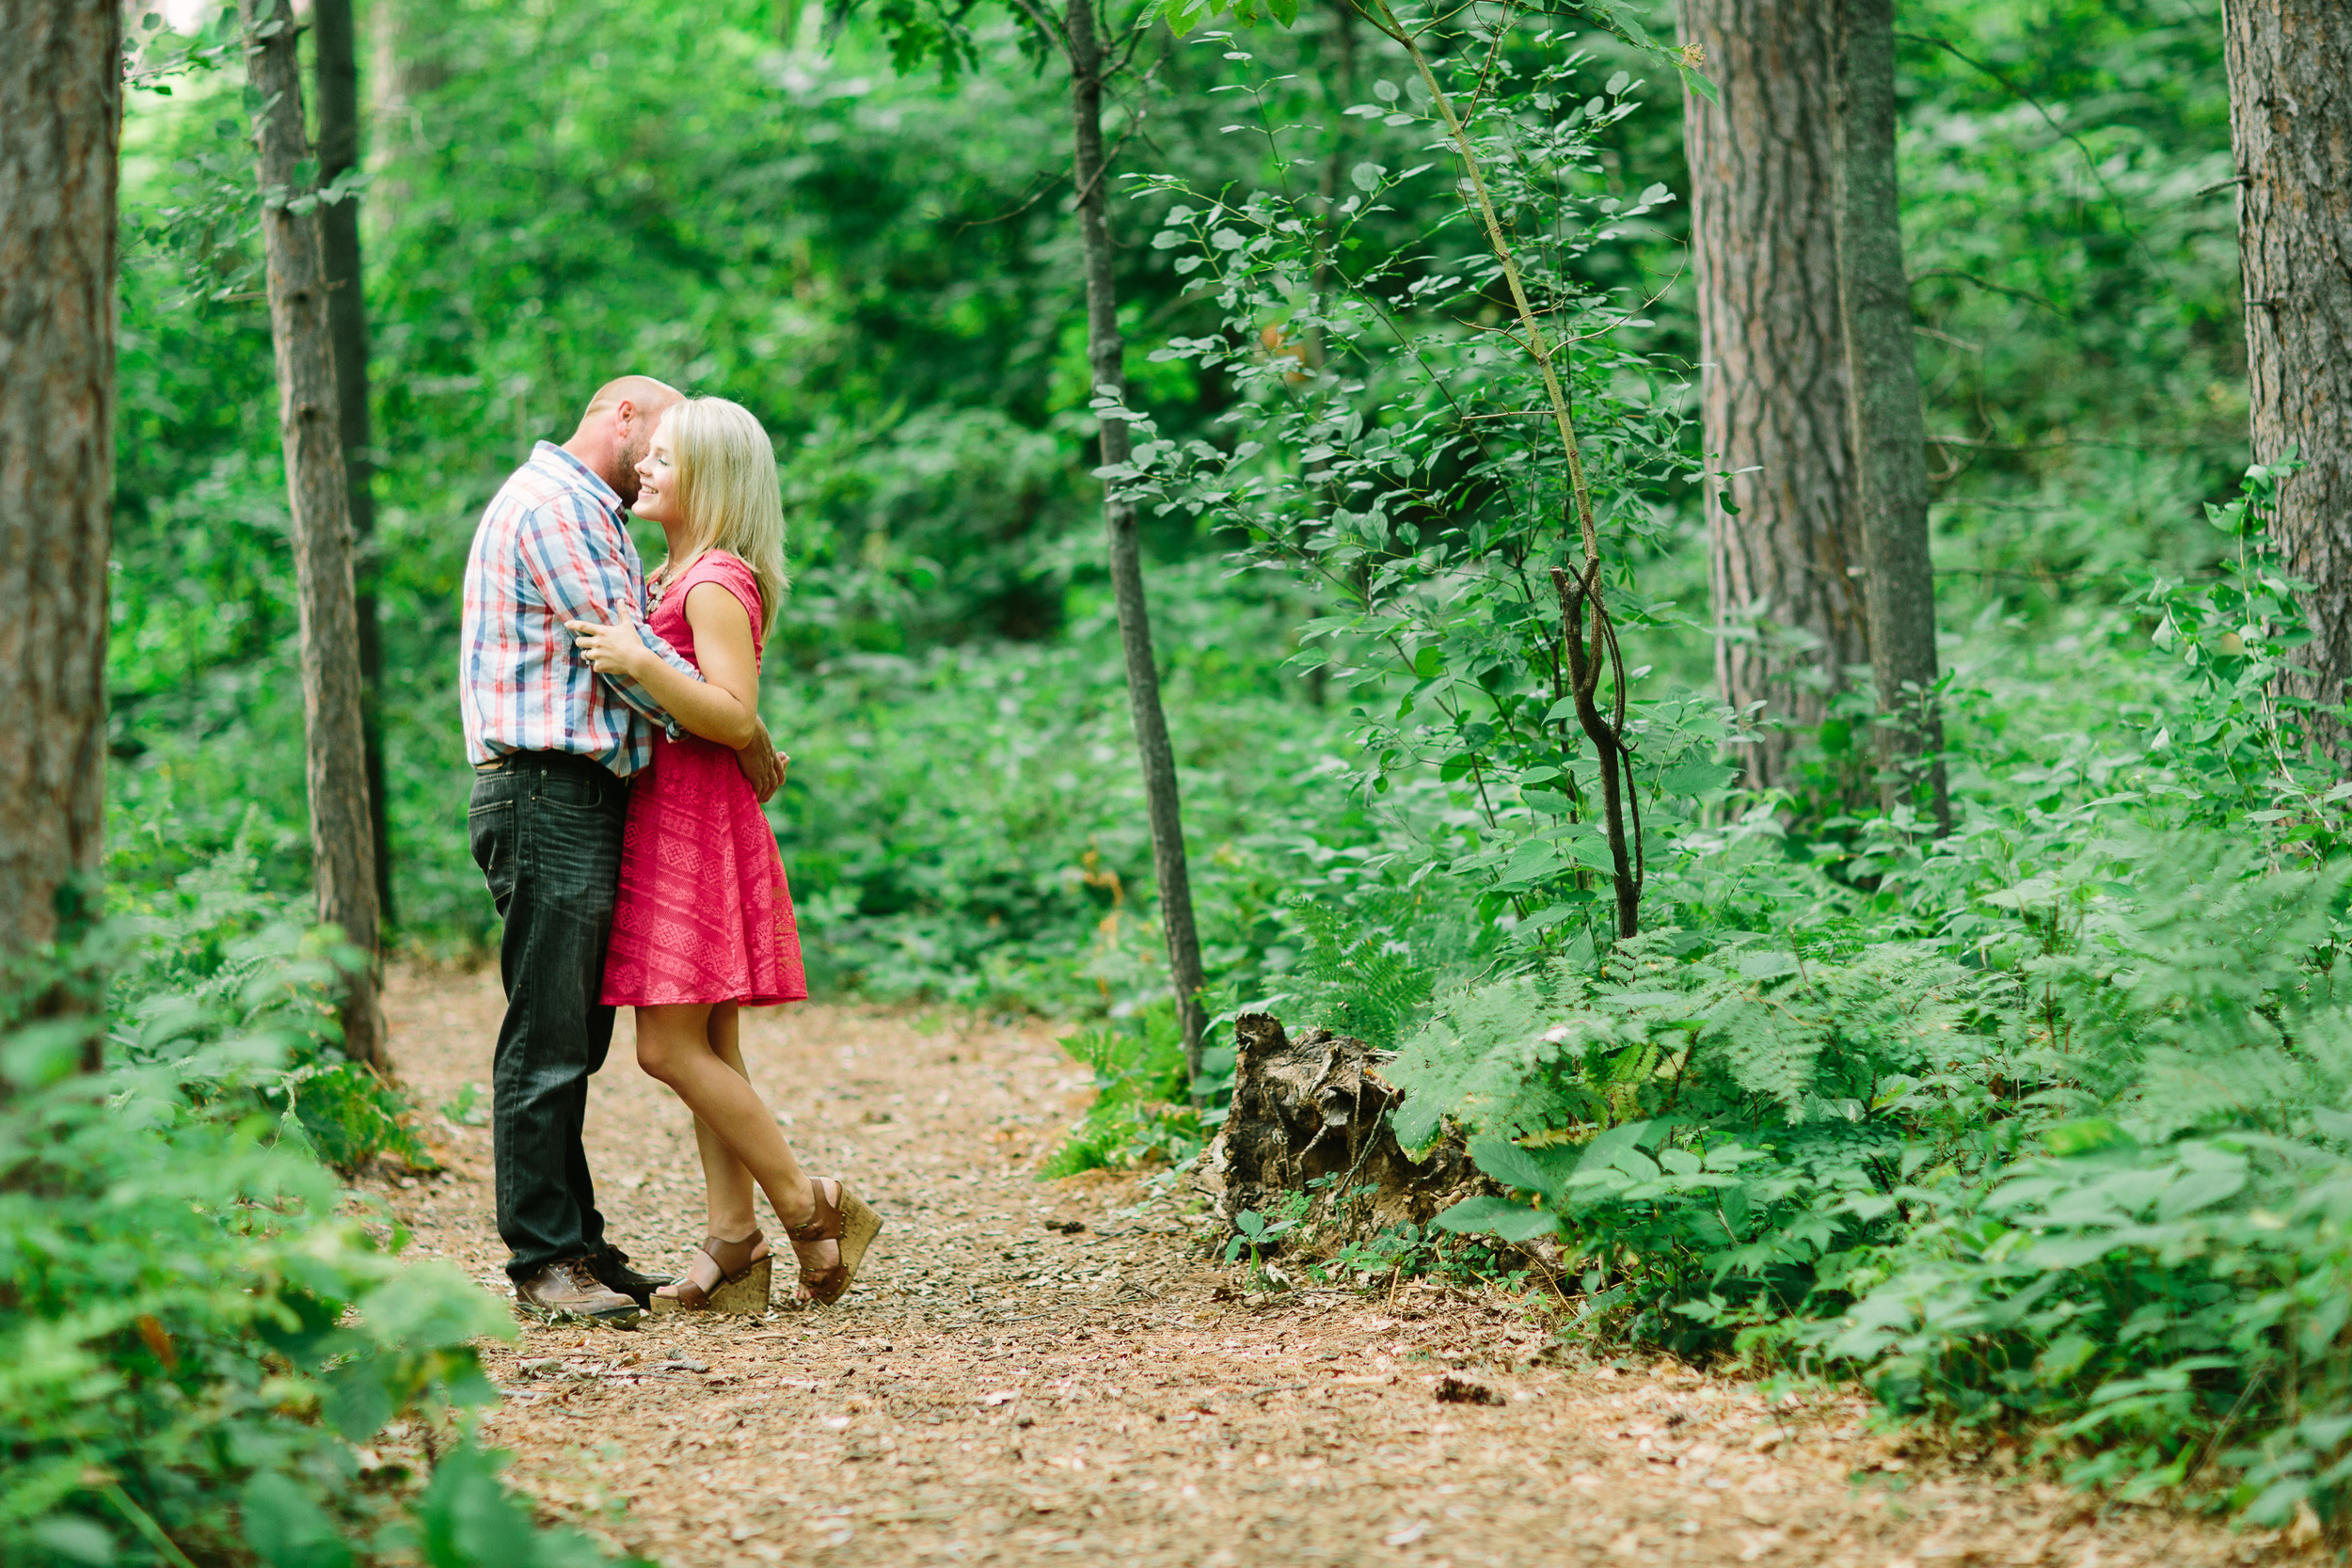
pixel 840 1218
pixel 743 1286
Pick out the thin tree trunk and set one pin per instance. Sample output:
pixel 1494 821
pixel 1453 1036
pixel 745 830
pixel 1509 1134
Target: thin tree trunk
pixel 1786 565
pixel 1105 352
pixel 1889 420
pixel 338 68
pixel 2290 64
pixel 60 99
pixel 408 66
pixel 342 848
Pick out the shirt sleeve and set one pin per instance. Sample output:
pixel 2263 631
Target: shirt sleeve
pixel 577 562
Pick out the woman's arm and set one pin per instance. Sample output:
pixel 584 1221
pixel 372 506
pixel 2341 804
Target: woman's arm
pixel 723 706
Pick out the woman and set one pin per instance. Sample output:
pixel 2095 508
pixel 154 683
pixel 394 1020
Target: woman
pixel 704 926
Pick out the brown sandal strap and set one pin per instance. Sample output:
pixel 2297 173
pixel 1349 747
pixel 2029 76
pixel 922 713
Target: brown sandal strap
pixel 842 1219
pixel 824 1222
pixel 822 1226
pixel 733 1258
pixel 692 1296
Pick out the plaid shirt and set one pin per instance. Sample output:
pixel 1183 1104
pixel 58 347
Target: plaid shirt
pixel 551 548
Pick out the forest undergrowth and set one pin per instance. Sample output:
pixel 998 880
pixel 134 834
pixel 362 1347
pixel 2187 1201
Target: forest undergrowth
pixel 212 1354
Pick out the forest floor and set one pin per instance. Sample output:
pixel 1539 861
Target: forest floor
pixel 1032 1372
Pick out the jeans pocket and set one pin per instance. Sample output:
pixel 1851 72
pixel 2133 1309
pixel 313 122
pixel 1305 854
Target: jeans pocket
pixel 571 791
pixel 490 833
pixel 576 858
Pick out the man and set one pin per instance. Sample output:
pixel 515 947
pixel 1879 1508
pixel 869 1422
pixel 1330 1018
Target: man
pixel 553 746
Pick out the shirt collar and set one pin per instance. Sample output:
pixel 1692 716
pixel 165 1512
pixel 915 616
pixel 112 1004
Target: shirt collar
pixel 578 474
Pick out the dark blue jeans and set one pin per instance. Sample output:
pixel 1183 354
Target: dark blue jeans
pixel 546 831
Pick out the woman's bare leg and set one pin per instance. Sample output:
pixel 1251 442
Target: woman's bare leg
pixel 727 1188
pixel 726 1041
pixel 726 1180
pixel 676 1045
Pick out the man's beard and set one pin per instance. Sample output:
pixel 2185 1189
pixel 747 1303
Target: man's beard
pixel 625 483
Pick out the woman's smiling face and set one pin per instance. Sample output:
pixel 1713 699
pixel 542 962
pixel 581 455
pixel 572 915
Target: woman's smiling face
pixel 656 479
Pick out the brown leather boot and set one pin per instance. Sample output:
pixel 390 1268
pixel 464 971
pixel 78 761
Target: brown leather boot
pixel 567 1290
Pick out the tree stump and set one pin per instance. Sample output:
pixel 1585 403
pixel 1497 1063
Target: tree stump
pixel 1317 1107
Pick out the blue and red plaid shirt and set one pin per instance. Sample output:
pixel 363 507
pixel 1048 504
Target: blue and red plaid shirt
pixel 552 548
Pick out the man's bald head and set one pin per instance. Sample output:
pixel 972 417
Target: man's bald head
pixel 652 398
pixel 618 426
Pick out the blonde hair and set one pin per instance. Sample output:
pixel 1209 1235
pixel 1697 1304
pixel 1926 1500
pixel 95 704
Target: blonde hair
pixel 727 492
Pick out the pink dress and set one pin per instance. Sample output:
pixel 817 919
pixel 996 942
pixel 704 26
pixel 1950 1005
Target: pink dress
pixel 704 913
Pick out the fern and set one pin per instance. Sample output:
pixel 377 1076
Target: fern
pixel 1138 1068
pixel 1506 1058
pixel 1357 971
pixel 1737 1114
pixel 1745 1036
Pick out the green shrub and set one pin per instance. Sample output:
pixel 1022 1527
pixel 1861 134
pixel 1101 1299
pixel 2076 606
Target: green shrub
pixel 1707 1132
pixel 197 1333
pixel 1139 1114
pixel 210 957
pixel 2102 1198
pixel 2166 1316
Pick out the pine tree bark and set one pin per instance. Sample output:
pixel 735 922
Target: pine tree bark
pixel 1786 557
pixel 60 99
pixel 338 65
pixel 1105 353
pixel 1887 416
pixel 342 847
pixel 2290 65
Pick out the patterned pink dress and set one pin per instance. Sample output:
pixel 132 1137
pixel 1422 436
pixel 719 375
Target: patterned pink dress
pixel 704 913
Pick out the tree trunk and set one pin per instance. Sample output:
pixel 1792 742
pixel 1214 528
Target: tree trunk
pixel 1786 564
pixel 1105 352
pixel 347 318
pixel 1889 420
pixel 342 848
pixel 409 64
pixel 2290 65
pixel 60 98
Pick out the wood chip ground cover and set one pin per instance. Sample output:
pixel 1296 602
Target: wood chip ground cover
pixel 1044 1372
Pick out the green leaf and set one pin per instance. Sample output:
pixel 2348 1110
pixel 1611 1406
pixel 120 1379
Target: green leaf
pixel 285 1527
pixel 2088 1136
pixel 2334 1124
pixel 429 1304
pixel 2065 1356
pixel 1523 1169
pixel 1604 1150
pixel 1588 847
pixel 76 1539
pixel 467 1520
pixel 1496 1216
pixel 1532 861
pixel 2199 1189
pixel 1693 779
pixel 1182 16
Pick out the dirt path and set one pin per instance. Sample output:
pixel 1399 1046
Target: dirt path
pixel 1038 1374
